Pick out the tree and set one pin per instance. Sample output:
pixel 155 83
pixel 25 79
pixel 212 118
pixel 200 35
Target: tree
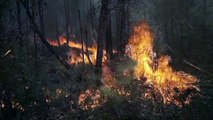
pixel 41 16
pixel 67 19
pixel 56 25
pixel 42 37
pixel 101 34
pixel 122 24
pixel 19 24
pixel 109 36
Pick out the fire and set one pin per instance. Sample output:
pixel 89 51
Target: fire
pixel 157 72
pixel 89 53
pixel 168 85
pixel 62 40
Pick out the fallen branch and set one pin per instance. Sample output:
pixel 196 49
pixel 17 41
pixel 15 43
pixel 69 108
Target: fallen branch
pixel 200 69
pixel 189 63
pixel 87 55
pixel 43 39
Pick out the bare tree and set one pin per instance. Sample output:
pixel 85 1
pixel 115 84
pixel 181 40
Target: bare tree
pixel 41 16
pixel 109 36
pixel 81 32
pixel 42 37
pixel 123 12
pixel 19 24
pixel 56 25
pixel 67 19
pixel 101 34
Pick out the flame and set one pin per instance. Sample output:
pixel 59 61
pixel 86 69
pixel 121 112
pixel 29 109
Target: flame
pixel 89 54
pixel 155 72
pixel 158 73
pixel 61 41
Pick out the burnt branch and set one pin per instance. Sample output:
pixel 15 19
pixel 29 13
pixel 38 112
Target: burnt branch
pixel 42 37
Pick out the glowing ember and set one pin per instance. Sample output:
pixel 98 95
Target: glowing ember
pixel 158 73
pixel 91 99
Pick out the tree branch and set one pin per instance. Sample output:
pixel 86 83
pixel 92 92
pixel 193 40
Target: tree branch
pixel 43 39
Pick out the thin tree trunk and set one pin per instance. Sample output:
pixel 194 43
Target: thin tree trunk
pixel 67 19
pixel 93 24
pixel 123 25
pixel 87 51
pixel 91 16
pixel 118 25
pixel 27 26
pixel 19 24
pixel 128 19
pixel 43 39
pixel 41 19
pixel 101 34
pixel 41 16
pixel 205 20
pixel 56 26
pixel 57 30
pixel 34 40
pixel 109 38
pixel 81 35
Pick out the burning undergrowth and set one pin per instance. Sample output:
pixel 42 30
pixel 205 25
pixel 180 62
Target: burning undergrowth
pixel 157 72
pixel 157 80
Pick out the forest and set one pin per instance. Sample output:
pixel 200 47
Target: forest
pixel 106 60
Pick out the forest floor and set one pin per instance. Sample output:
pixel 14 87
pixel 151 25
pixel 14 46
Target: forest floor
pixel 63 88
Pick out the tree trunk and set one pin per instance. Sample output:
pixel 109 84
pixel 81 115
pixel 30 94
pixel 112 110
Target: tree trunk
pixel 57 30
pixel 41 16
pixel 205 20
pixel 109 38
pixel 56 25
pixel 33 3
pixel 41 19
pixel 118 25
pixel 101 34
pixel 42 37
pixel 67 19
pixel 20 38
pixel 81 35
pixel 123 25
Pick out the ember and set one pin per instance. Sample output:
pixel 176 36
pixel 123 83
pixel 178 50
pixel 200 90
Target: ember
pixel 91 99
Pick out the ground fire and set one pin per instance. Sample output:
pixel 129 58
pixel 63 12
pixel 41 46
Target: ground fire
pixel 89 52
pixel 155 72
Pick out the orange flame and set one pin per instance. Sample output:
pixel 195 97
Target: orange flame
pixel 166 82
pixel 89 54
pixel 61 41
pixel 158 73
